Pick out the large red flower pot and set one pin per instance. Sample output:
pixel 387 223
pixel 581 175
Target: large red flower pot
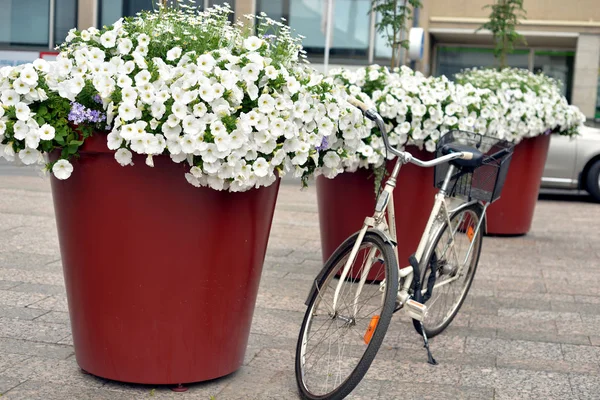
pixel 346 200
pixel 512 214
pixel 161 276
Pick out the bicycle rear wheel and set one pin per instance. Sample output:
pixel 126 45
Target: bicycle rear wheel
pixel 336 347
pixel 446 277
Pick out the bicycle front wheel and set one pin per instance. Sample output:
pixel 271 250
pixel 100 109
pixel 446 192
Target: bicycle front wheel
pixel 337 344
pixel 448 271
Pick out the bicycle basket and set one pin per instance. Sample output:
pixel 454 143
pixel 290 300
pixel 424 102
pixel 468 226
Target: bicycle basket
pixel 483 183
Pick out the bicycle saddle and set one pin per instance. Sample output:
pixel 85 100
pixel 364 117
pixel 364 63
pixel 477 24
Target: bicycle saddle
pixel 475 162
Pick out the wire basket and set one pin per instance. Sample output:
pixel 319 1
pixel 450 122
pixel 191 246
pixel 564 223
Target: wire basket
pixel 482 183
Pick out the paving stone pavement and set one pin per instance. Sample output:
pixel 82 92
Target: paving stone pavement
pixel 530 328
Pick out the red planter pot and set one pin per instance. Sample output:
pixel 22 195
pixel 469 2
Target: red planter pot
pixel 346 200
pixel 512 214
pixel 161 276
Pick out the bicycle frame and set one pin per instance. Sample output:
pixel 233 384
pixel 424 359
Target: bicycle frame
pixel 387 228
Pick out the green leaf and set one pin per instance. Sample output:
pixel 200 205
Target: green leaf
pixel 72 148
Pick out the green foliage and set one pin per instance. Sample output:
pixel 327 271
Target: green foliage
pixel 177 25
pixel 380 173
pixel 504 18
pixel 394 15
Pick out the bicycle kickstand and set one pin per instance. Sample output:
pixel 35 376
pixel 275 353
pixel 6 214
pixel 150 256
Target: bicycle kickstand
pixel 430 358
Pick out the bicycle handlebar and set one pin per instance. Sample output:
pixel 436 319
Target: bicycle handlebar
pixel 373 115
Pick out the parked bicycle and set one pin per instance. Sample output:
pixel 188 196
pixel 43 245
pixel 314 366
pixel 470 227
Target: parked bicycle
pixel 360 287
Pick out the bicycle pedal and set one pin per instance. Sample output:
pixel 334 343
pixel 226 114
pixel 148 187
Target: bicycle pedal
pixel 416 310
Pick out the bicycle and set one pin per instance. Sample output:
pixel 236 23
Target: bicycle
pixel 362 275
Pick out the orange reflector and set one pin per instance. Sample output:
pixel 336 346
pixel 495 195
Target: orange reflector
pixel 470 233
pixel 371 329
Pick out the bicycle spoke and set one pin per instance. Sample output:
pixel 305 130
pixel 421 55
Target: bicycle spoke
pixel 453 256
pixel 333 338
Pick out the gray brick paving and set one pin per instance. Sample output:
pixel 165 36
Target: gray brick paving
pixel 530 328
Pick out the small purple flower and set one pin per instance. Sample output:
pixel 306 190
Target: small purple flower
pixel 270 38
pixel 97 99
pixel 80 114
pixel 77 113
pixel 548 131
pixel 324 144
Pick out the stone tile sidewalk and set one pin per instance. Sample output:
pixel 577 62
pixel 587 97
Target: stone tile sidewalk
pixel 529 329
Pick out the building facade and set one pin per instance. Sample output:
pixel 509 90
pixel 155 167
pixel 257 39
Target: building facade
pixel 562 38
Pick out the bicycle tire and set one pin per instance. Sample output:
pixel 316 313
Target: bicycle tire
pixel 336 263
pixel 426 268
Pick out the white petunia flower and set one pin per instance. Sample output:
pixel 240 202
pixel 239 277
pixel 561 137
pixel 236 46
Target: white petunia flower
pixel 29 156
pixel 10 97
pixel 260 167
pixel 127 111
pixel 46 132
pixel 41 65
pixel 33 139
pixel 124 157
pixel 108 39
pixel 114 140
pixel 253 43
pixel 62 169
pixel 205 62
pixel 251 72
pixel 174 54
pixel 20 130
pixel 143 39
pixel 29 76
pixel 23 112
pixel 21 87
pixel 124 46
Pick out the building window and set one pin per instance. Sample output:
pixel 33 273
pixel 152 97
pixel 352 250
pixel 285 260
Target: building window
pixel 112 10
pixel 25 22
pixel 451 60
pixel 350 30
pixel 558 65
pixel 222 3
pixel 65 19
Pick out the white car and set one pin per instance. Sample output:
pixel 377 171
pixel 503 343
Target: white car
pixel 574 163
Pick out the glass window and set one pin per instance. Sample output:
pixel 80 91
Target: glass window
pixel 350 32
pixel 222 2
pixel 275 9
pixel 558 65
pixel 231 3
pixel 382 49
pixel 65 19
pixel 451 60
pixel 24 22
pixel 132 7
pixel 112 10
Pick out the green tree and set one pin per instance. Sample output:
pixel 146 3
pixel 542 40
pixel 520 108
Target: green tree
pixel 504 18
pixel 394 15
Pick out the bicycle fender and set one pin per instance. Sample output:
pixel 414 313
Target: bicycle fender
pixel 315 285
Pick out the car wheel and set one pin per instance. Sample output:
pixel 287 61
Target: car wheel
pixel 593 181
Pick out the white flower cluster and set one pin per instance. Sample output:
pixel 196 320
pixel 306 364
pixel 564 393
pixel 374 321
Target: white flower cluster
pixel 417 110
pixel 528 104
pixel 241 110
pixel 20 87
